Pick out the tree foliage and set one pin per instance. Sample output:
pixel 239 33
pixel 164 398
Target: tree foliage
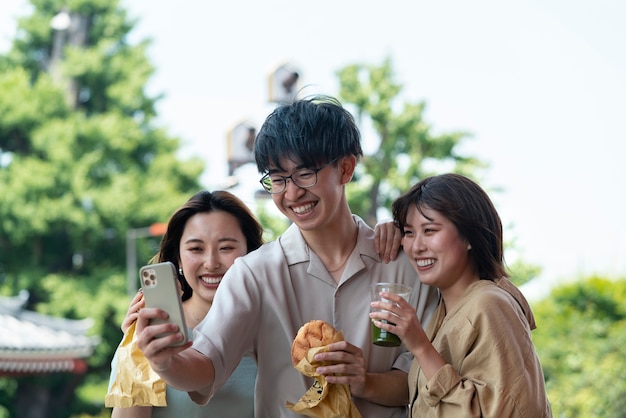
pixel 408 149
pixel 82 161
pixel 581 342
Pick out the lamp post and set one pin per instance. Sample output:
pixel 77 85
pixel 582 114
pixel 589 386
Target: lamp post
pixel 283 84
pixel 60 23
pixel 240 145
pixel 154 230
pixel 69 28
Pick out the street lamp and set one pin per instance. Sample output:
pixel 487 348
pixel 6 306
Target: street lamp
pixel 60 23
pixel 240 145
pixel 69 28
pixel 154 230
pixel 283 84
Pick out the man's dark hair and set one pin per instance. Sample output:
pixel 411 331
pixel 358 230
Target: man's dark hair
pixel 311 131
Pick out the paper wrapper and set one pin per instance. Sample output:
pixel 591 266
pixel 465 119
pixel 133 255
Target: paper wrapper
pixel 323 399
pixel 135 384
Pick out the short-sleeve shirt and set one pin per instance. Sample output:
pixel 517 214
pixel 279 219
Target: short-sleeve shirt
pixel 267 295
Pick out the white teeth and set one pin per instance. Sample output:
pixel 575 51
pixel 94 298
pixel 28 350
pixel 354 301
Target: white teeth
pixel 302 209
pixel 211 280
pixel 425 263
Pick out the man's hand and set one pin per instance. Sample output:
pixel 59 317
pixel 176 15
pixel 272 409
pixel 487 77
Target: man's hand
pixel 387 240
pixel 347 366
pixel 156 349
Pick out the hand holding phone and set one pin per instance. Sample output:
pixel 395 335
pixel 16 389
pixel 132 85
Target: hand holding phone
pixel 161 289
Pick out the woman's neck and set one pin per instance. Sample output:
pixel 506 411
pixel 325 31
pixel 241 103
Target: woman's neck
pixel 195 310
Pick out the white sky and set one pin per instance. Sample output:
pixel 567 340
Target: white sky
pixel 541 85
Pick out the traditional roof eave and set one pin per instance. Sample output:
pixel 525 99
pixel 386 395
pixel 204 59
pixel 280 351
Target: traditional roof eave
pixel 34 343
pixel 17 368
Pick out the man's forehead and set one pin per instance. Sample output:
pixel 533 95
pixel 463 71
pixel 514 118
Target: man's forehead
pixel 286 164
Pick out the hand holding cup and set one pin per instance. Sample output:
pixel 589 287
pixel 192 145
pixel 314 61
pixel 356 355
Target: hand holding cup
pixel 380 336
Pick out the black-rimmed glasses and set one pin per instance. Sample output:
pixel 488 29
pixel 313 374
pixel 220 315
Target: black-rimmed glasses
pixel 303 178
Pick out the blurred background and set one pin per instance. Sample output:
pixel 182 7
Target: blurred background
pixel 113 113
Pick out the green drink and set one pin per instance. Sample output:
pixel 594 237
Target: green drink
pixel 383 337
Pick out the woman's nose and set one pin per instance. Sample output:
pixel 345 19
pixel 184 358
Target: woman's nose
pixel 419 244
pixel 212 262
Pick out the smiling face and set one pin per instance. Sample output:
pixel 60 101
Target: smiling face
pixel 317 207
pixel 439 254
pixel 210 243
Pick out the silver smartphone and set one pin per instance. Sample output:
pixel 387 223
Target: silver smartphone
pixel 161 289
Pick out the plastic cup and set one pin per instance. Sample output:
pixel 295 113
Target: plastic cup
pixel 380 336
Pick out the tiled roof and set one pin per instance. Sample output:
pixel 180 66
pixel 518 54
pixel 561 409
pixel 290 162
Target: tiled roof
pixel 31 342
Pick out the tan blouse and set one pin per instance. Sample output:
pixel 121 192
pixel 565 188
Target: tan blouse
pixel 493 369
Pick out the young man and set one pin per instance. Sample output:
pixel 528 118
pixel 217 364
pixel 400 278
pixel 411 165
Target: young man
pixel 320 268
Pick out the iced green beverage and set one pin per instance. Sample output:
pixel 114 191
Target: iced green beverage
pixel 383 337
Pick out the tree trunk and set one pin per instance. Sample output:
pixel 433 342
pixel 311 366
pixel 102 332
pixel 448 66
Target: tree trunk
pixel 32 400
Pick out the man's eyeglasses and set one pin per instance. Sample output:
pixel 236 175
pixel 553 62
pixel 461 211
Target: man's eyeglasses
pixel 303 178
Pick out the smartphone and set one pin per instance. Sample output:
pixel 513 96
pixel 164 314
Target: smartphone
pixel 161 289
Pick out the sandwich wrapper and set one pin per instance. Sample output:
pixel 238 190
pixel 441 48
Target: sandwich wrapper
pixel 323 399
pixel 135 383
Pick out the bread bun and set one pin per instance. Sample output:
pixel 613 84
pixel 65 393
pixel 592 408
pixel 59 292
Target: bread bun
pixel 316 333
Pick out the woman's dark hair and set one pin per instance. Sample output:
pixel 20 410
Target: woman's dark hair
pixel 312 131
pixel 203 202
pixel 469 208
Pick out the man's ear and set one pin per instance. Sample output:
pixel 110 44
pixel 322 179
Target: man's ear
pixel 347 165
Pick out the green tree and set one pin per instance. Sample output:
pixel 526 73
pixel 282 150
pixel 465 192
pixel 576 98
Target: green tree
pixel 407 151
pixel 581 343
pixel 82 160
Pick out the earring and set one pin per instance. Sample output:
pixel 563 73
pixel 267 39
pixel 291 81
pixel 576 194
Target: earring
pixel 469 247
pixel 180 271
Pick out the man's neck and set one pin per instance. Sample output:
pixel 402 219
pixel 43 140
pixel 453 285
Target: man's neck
pixel 334 244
